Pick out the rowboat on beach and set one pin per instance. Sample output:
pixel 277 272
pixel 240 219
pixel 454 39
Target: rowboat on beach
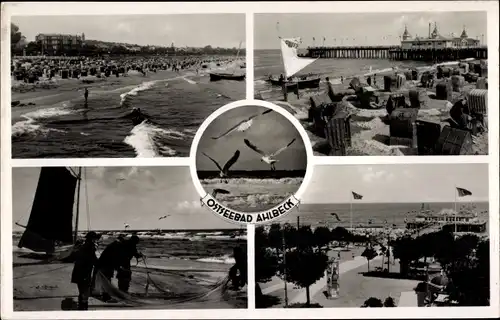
pixel 301 83
pixel 233 75
pixel 216 76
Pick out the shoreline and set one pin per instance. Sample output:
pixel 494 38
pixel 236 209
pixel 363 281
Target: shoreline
pixel 72 89
pixel 40 287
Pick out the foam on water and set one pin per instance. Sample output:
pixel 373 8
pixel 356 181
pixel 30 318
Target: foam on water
pixel 30 125
pixel 255 200
pixel 142 87
pixel 247 181
pixel 226 259
pixel 144 139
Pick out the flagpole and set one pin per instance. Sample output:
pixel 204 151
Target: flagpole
pixel 350 209
pixel 455 208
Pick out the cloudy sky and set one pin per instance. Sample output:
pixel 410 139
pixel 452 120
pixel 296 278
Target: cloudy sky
pixel 196 30
pixel 361 29
pixel 397 183
pixel 269 132
pixel 119 195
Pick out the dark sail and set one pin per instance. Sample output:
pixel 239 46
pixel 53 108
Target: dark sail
pixel 51 218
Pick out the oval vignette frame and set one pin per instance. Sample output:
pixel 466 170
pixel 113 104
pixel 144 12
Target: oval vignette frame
pixel 243 103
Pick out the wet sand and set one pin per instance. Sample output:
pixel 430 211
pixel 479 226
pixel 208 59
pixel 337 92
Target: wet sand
pixel 42 287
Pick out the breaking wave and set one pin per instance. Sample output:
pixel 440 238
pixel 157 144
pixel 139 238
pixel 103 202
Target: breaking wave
pixel 142 87
pixel 254 200
pixel 30 124
pixel 226 259
pixel 148 140
pixel 247 181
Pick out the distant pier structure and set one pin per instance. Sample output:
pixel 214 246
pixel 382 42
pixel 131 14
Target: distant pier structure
pixel 357 52
pixel 397 53
pixel 432 48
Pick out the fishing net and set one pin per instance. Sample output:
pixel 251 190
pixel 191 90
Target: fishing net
pixel 149 287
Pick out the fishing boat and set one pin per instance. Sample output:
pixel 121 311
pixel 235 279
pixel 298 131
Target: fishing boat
pixel 232 75
pixel 216 76
pixel 50 231
pixel 292 64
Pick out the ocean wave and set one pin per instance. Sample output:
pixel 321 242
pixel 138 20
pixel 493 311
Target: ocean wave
pixel 254 200
pixel 235 181
pixel 146 139
pixel 225 259
pixel 142 87
pixel 30 126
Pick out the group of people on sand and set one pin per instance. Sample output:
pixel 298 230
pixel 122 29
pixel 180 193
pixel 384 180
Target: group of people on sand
pixel 116 257
pixel 30 70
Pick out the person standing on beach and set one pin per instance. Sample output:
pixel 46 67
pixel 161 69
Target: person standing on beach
pixel 86 95
pixel 116 257
pixel 238 272
pixel 124 272
pixel 85 260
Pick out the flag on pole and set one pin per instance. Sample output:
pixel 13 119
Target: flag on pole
pixel 356 196
pixel 463 192
pixel 335 215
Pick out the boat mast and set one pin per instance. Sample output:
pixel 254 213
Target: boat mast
pixel 237 56
pixel 78 185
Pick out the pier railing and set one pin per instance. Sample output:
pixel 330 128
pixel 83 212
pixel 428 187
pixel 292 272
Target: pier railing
pixel 397 53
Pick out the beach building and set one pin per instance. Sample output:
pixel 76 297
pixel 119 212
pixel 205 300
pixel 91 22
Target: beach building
pixel 52 42
pixel 434 40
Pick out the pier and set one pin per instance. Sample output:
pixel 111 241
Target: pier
pixel 397 53
pixel 357 52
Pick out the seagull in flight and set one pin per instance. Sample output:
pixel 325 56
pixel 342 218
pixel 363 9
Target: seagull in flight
pixel 164 217
pixel 225 170
pixel 243 125
pixel 219 191
pixel 335 215
pixel 268 158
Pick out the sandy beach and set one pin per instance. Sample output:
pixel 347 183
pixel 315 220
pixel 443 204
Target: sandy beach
pixel 370 135
pixel 181 274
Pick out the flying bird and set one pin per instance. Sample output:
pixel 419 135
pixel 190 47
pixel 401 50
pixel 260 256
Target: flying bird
pixel 219 191
pixel 164 217
pixel 335 215
pixel 126 225
pixel 225 170
pixel 242 125
pixel 268 158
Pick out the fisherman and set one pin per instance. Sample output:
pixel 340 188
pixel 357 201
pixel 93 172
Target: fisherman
pixel 116 257
pixel 341 79
pixel 85 260
pixel 238 272
pixel 124 272
pixel 86 95
pixel 369 80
